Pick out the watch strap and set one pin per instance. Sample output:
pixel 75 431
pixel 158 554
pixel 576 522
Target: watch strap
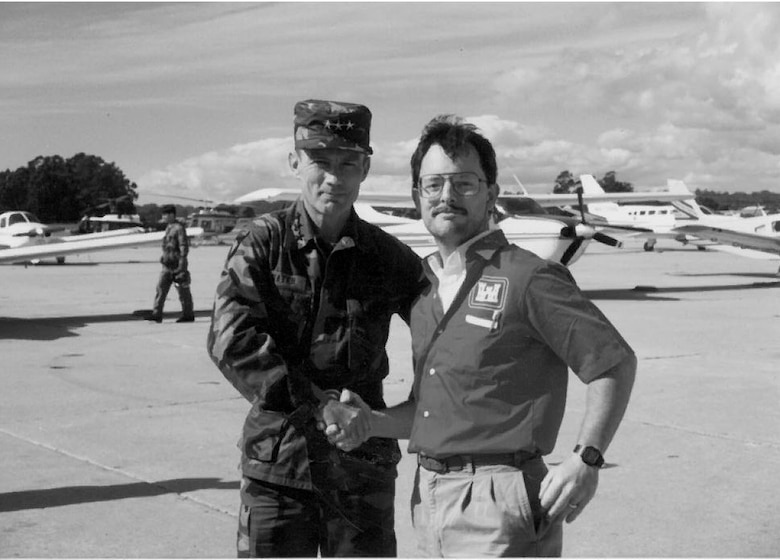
pixel 590 456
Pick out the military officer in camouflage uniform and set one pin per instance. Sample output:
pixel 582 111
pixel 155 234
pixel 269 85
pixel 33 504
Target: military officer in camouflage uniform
pixel 175 248
pixel 302 311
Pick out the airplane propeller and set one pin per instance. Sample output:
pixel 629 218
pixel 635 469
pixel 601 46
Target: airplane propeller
pixel 582 231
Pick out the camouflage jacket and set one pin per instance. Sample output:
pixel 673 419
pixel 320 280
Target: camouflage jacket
pixel 175 247
pixel 290 312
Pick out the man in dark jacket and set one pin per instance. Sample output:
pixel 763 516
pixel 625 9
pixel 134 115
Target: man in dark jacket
pixel 302 311
pixel 175 247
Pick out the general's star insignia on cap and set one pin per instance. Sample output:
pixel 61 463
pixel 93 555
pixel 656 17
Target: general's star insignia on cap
pixel 322 124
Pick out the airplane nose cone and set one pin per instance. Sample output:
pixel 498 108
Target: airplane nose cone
pixel 584 230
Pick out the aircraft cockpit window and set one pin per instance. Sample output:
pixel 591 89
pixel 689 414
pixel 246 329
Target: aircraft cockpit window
pixel 20 218
pixel 776 226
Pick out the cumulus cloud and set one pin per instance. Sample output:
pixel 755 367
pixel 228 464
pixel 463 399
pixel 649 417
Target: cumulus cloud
pixel 703 103
pixel 708 101
pixel 223 176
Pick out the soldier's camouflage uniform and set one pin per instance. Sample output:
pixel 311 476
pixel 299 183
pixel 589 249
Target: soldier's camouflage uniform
pixel 289 312
pixel 175 248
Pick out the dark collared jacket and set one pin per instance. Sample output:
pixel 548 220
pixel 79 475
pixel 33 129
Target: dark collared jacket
pixel 290 311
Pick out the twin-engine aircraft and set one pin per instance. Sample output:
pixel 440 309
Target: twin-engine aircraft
pixel 24 238
pixel 523 219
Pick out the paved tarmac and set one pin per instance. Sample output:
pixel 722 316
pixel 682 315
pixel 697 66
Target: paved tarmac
pixel 118 436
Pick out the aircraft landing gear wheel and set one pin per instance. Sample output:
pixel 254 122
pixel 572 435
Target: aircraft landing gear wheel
pixel 649 246
pixel 701 247
pixel 60 260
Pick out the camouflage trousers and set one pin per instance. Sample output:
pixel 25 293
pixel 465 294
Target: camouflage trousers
pixel 279 521
pixel 167 277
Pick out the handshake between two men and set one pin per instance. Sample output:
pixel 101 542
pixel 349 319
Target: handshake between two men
pixel 346 421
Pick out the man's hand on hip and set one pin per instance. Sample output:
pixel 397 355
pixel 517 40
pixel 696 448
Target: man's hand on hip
pixel 568 488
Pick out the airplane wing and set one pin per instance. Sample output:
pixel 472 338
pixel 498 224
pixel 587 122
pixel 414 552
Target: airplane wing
pixel 98 235
pixel 568 199
pixel 268 195
pixel 745 240
pixel 72 245
pixel 404 200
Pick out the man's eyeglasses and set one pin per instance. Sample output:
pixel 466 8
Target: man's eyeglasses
pixel 465 183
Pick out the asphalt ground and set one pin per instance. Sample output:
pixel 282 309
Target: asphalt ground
pixel 118 436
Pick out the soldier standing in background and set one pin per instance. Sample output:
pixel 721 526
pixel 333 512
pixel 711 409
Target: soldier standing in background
pixel 175 247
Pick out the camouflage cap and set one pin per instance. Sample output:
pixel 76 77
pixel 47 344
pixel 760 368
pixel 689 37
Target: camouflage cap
pixel 332 124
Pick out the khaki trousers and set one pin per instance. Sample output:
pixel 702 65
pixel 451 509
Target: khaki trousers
pixel 486 511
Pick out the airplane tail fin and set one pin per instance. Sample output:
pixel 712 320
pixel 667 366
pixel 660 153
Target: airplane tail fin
pixel 519 184
pixel 591 186
pixel 687 206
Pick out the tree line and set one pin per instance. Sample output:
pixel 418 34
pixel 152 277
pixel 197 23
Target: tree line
pixel 566 183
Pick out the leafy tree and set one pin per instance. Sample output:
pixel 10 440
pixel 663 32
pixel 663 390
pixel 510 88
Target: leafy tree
pixel 103 185
pixel 565 183
pixel 13 189
pixel 610 184
pixel 51 194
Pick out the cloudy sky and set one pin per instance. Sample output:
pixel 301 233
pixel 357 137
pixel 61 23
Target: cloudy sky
pixel 196 99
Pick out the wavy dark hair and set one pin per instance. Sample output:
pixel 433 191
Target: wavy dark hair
pixel 455 136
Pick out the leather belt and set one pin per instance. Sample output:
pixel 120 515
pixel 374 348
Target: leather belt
pixel 471 462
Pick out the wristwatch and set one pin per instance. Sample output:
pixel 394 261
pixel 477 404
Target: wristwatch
pixel 590 456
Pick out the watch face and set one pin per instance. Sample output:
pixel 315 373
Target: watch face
pixel 591 456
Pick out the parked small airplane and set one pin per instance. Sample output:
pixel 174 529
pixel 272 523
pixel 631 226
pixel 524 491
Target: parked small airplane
pixel 753 233
pixel 653 221
pixel 18 228
pixel 755 237
pixel 24 238
pixel 23 229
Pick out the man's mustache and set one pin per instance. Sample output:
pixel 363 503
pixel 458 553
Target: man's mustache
pixel 448 209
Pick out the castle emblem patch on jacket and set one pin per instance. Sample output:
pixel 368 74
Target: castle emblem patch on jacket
pixel 489 293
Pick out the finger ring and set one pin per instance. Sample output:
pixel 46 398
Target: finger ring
pixel 573 506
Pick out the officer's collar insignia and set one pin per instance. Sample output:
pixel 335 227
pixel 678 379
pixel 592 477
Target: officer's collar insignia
pixel 297 231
